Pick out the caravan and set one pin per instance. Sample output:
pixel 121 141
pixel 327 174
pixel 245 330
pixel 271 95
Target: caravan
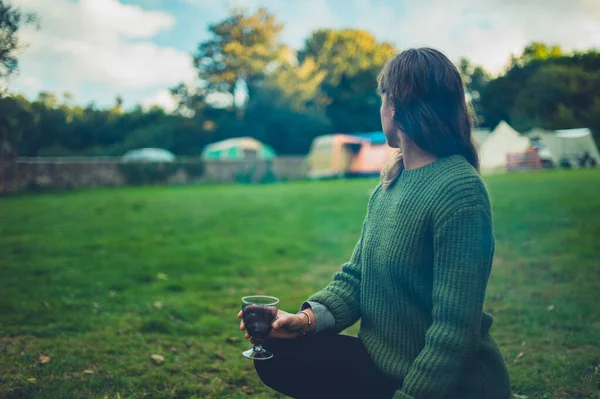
pixel 340 155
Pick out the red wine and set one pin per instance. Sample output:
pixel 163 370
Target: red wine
pixel 259 320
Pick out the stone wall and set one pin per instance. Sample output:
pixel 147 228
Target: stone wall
pixel 22 173
pixel 282 168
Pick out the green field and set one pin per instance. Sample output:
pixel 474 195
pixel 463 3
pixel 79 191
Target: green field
pixel 98 281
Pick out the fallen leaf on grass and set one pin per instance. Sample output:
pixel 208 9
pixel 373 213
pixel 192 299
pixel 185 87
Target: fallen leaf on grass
pixel 246 388
pixel 520 355
pixel 550 308
pixel 31 380
pixel 232 340
pixel 220 356
pixel 44 359
pixel 158 305
pixel 158 359
pixel 203 377
pixel 88 372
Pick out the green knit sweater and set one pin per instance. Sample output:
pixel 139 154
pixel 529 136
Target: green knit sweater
pixel 417 280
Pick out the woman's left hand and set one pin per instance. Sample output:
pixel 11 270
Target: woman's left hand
pixel 286 325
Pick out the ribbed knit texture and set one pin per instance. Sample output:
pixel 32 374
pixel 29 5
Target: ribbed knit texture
pixel 417 280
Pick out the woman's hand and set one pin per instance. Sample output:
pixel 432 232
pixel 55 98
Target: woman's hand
pixel 285 326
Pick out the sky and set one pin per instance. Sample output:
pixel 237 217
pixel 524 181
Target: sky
pixel 97 50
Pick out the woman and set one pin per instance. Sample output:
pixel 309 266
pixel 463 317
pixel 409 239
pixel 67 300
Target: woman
pixel 418 275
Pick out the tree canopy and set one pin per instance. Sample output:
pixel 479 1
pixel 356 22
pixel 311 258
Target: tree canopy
pixel 552 92
pixel 240 50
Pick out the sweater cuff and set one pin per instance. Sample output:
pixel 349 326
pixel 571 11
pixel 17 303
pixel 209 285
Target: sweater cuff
pixel 323 317
pixel 338 308
pixel 401 395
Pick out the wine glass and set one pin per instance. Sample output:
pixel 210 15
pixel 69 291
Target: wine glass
pixel 259 312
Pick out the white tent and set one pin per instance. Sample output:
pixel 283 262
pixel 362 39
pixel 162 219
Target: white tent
pixel 149 155
pixel 571 144
pixel 480 136
pixel 502 141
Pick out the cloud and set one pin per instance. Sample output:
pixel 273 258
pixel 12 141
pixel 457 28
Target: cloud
pixel 485 31
pixel 299 17
pixel 162 99
pixel 30 86
pixel 100 42
pixel 224 6
pixel 303 17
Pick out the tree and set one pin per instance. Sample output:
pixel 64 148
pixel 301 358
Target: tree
pixel 298 85
pixel 287 111
pixel 351 60
pixel 557 97
pixel 239 53
pixel 284 102
pixel 12 115
pixel 11 20
pixel 17 125
pixel 475 79
pixel 540 51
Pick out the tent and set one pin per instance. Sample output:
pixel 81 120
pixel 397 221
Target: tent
pixel 570 144
pixel 348 154
pixel 149 155
pixel 504 140
pixel 480 136
pixel 238 149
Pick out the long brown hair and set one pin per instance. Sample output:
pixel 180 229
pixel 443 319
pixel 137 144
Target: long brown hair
pixel 428 96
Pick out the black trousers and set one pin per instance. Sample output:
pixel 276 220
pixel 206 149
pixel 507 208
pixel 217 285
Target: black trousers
pixel 323 366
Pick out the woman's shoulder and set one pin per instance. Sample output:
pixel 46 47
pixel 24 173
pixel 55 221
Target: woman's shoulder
pixel 459 185
pixel 374 192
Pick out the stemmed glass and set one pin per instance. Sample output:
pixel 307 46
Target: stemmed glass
pixel 259 313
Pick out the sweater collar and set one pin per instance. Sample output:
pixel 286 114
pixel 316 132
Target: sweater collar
pixel 425 170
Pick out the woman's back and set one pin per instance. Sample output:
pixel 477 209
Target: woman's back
pixel 403 273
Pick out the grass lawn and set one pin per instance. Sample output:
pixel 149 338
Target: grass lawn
pixel 93 283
